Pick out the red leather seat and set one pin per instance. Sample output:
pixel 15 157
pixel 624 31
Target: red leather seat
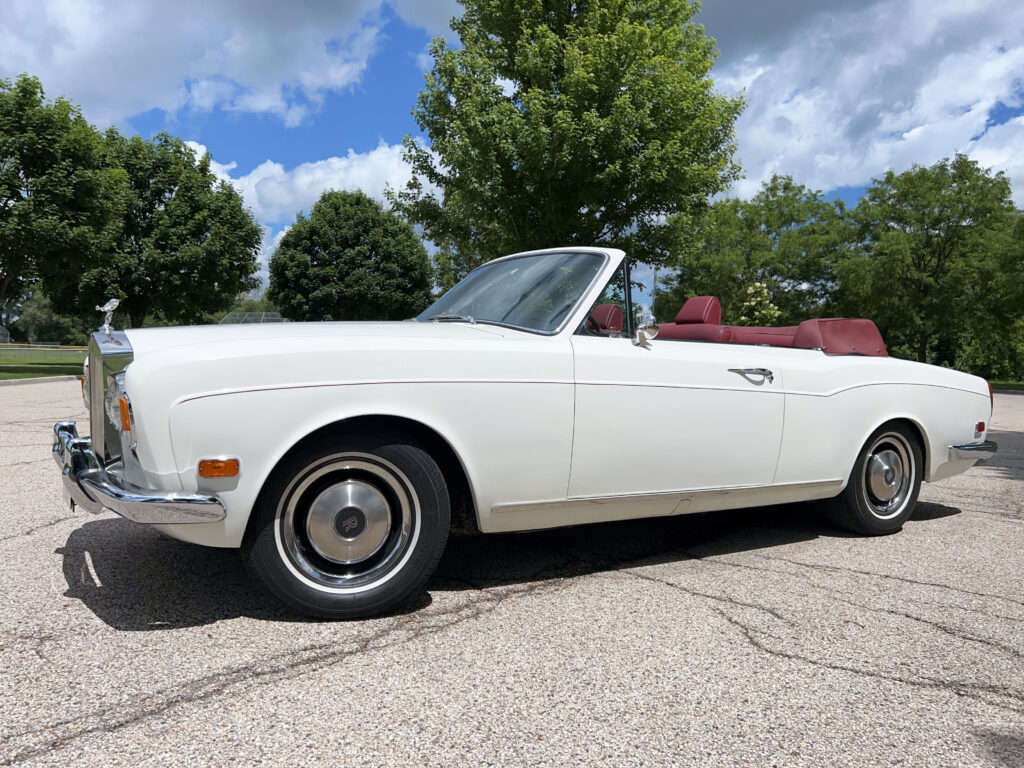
pixel 608 318
pixel 700 319
pixel 700 309
pixel 776 337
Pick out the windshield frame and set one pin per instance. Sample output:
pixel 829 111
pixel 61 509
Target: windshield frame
pixel 584 296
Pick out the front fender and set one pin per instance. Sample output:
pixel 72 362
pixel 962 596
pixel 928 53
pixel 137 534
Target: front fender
pixel 260 427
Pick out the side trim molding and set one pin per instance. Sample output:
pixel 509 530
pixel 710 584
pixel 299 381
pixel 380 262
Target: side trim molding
pixel 662 498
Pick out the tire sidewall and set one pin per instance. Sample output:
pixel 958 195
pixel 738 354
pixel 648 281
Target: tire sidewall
pixel 265 556
pixel 866 518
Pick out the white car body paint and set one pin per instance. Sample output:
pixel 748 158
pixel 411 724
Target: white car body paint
pixel 550 430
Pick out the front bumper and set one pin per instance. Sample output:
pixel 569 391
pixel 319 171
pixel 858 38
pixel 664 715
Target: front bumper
pixel 88 484
pixel 973 451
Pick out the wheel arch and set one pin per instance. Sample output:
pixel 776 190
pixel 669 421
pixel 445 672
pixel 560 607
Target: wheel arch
pixel 922 438
pixel 464 511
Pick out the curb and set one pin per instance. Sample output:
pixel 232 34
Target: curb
pixel 37 380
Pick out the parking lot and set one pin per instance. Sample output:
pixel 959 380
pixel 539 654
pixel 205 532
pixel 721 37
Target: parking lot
pixel 761 637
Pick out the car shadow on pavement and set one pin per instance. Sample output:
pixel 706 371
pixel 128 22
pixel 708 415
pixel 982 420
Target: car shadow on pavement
pixel 480 562
pixel 1005 749
pixel 1009 459
pixel 135 579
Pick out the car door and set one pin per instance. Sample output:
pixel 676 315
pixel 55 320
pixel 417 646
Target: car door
pixel 675 416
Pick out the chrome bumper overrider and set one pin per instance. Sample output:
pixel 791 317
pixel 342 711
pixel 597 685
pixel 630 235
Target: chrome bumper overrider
pixel 969 451
pixel 89 485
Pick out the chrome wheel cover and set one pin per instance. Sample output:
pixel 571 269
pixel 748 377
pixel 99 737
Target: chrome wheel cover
pixel 889 475
pixel 347 522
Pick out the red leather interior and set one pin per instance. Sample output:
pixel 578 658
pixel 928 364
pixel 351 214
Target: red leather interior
pixel 700 309
pixel 776 337
pixel 695 331
pixel 701 316
pixel 841 336
pixel 608 317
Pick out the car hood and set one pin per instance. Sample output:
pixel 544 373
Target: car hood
pixel 146 340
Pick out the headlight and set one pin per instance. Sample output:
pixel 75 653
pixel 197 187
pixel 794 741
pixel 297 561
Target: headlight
pixel 118 406
pixel 85 382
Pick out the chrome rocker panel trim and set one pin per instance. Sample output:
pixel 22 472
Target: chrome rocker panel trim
pixel 88 484
pixel 973 451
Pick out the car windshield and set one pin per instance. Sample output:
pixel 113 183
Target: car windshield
pixel 535 293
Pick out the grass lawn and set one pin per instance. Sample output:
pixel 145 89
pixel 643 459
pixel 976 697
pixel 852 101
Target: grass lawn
pixel 24 370
pixel 23 363
pixel 1016 385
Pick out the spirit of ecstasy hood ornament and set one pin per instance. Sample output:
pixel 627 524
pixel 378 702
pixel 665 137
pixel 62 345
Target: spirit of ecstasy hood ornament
pixel 109 308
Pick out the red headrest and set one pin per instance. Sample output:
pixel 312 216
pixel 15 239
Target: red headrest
pixel 608 317
pixel 701 309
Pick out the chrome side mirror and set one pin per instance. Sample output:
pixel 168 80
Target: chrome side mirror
pixel 647 330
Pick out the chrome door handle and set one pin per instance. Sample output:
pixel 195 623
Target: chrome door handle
pixel 768 375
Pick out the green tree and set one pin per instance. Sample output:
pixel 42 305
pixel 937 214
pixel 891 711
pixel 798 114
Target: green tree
pixel 557 123
pixel 938 260
pixel 787 238
pixel 350 260
pixel 37 322
pixel 757 308
pixel 185 246
pixel 55 190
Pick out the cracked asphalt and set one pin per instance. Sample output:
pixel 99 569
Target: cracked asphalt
pixel 762 637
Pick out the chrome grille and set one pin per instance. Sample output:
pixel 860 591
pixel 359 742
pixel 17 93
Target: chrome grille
pixel 109 353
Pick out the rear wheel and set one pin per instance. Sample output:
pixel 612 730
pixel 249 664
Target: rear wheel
pixel 349 526
pixel 883 487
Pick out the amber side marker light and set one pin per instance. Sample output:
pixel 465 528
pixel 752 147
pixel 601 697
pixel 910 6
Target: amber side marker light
pixel 218 468
pixel 126 415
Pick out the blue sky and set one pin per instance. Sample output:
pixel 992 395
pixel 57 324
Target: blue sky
pixel 294 98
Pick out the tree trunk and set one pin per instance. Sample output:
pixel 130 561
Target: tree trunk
pixel 137 318
pixel 922 347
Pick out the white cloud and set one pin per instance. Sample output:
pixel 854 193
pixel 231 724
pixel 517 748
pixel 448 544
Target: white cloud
pixel 431 15
pixel 1002 149
pixel 120 57
pixel 275 194
pixel 836 95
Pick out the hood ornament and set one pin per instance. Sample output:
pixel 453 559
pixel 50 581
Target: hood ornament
pixel 109 308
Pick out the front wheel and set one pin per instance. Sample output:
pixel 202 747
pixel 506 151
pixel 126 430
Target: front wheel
pixel 349 526
pixel 886 478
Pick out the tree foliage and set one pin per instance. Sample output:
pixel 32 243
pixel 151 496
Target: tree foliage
pixel 55 189
pixel 934 255
pixel 350 260
pixel 787 238
pixel 38 322
pixel 185 246
pixel 938 259
pixel 566 123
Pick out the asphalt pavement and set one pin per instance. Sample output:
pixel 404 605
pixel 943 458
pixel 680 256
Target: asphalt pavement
pixel 762 637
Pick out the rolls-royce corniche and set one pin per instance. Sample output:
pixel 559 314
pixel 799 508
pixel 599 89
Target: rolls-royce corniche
pixel 337 456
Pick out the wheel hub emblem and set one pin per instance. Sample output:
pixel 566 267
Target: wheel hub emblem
pixel 350 523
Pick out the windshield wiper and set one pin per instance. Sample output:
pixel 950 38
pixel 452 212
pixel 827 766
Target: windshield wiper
pixel 445 317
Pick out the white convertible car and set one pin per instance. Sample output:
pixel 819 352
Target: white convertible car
pixel 338 456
